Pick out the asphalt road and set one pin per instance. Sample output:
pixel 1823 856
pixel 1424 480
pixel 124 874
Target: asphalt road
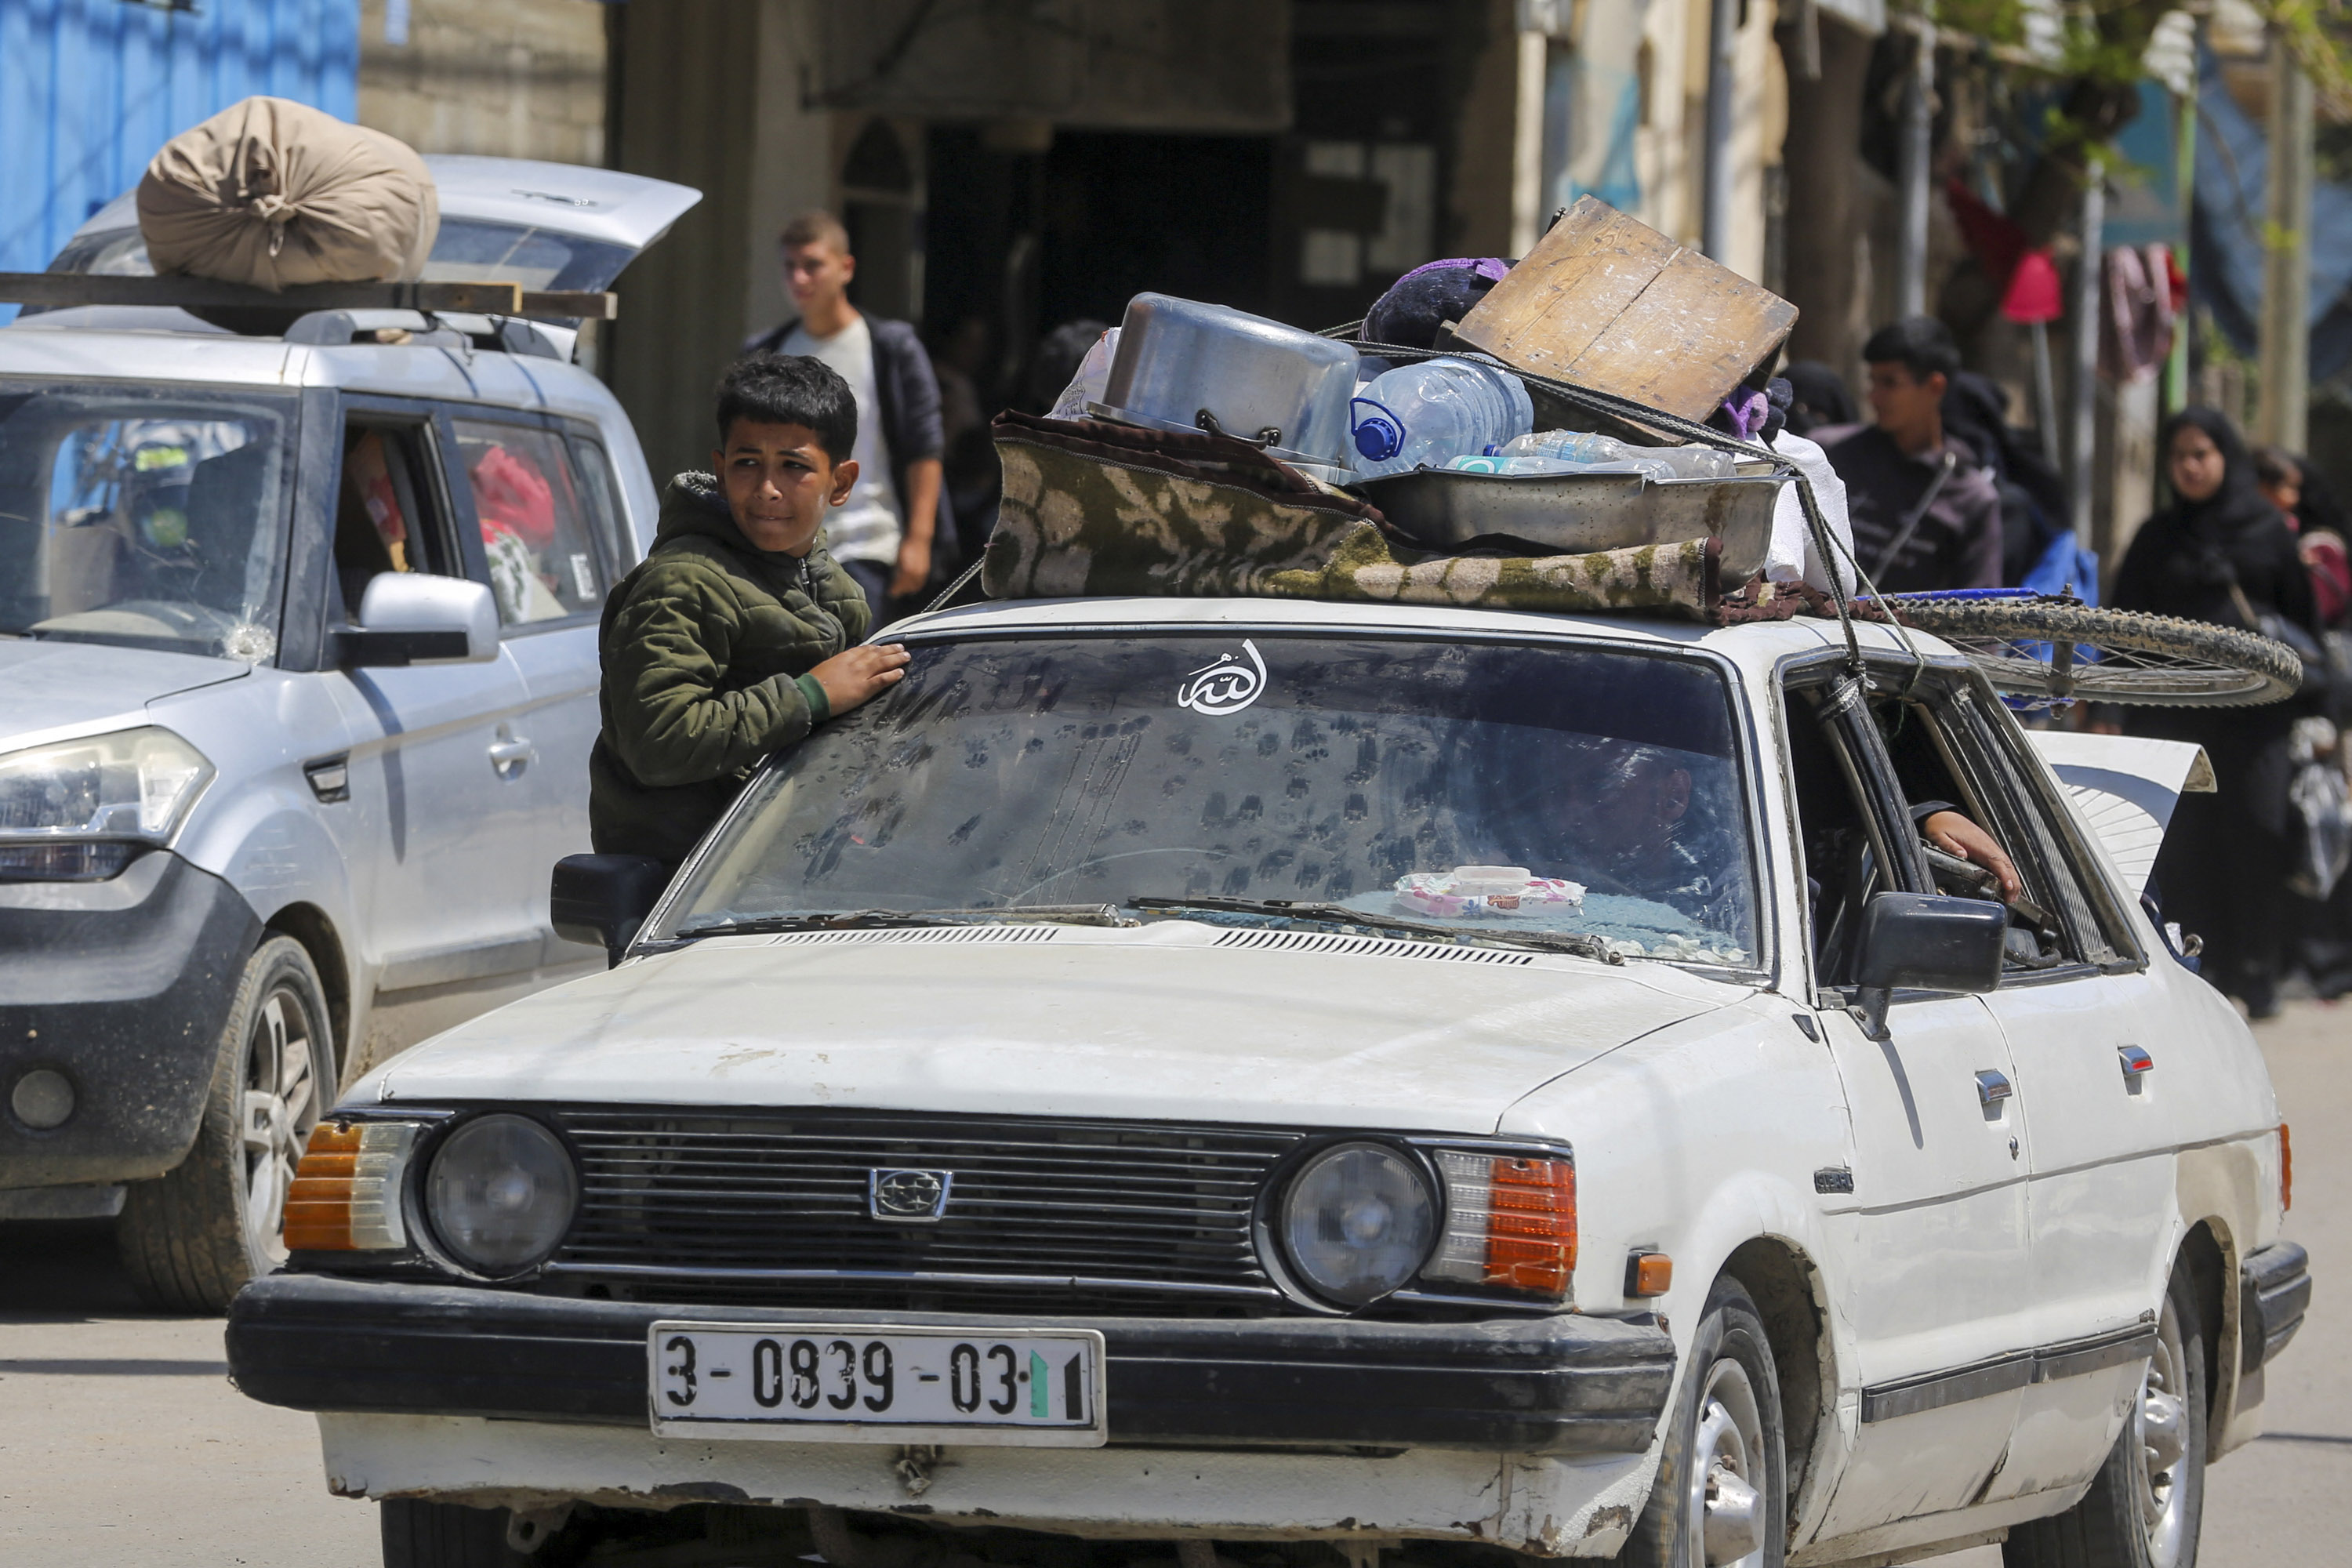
pixel 121 1443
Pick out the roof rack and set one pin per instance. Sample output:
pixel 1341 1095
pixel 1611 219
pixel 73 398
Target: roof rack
pixel 487 299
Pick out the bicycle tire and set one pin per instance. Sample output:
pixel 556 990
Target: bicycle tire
pixel 2112 656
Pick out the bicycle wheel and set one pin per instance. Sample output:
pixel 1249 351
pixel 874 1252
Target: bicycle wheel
pixel 2059 651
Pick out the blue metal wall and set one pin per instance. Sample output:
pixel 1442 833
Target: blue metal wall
pixel 90 88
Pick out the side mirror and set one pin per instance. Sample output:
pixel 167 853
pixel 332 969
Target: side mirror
pixel 414 618
pixel 1923 941
pixel 601 900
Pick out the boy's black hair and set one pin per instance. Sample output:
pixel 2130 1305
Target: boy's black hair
pixel 791 389
pixel 1921 344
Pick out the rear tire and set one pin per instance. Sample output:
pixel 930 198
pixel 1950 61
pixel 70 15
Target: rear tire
pixel 1726 1436
pixel 423 1534
pixel 192 1236
pixel 2146 1506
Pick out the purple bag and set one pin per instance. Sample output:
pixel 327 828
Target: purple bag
pixel 1428 297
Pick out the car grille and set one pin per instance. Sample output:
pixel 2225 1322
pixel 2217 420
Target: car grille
pixel 773 1209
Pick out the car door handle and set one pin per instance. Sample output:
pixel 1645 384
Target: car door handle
pixel 509 754
pixel 1992 1088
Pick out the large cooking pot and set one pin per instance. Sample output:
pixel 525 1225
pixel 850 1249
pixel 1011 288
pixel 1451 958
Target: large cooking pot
pixel 1185 365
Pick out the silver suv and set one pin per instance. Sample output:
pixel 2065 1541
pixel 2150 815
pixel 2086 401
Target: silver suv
pixel 298 681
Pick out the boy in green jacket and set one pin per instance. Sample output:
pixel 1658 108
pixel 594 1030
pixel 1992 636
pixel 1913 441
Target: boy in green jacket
pixel 737 634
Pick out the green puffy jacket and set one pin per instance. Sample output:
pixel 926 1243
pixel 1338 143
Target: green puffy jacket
pixel 705 648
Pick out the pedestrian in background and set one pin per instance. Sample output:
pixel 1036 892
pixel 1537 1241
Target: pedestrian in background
pixel 1818 398
pixel 884 536
pixel 2221 552
pixel 1926 515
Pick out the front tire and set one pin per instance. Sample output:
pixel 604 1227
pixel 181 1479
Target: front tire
pixel 1721 1495
pixel 2146 1506
pixel 192 1236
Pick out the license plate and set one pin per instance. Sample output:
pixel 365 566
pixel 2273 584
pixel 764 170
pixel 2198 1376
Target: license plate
pixel 844 1384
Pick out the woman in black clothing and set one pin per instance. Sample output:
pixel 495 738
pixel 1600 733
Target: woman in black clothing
pixel 2222 553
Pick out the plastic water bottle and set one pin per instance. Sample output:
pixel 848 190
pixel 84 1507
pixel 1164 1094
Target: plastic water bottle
pixel 1659 462
pixel 1422 415
pixel 1498 463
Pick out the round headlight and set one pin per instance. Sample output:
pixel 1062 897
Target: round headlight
pixel 1357 1222
pixel 500 1193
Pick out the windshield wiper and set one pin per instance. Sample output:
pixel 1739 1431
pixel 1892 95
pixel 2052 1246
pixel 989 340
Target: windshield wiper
pixel 884 919
pixel 1572 943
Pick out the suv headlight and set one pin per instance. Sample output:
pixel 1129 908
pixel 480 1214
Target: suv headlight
pixel 1357 1221
pixel 500 1193
pixel 132 783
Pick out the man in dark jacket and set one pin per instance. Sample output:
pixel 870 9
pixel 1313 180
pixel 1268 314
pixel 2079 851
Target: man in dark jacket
pixel 735 637
pixel 1924 513
pixel 883 535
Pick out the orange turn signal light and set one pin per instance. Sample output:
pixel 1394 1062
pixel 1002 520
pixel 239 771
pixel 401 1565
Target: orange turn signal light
pixel 1649 1274
pixel 2286 1170
pixel 346 1192
pixel 1531 1230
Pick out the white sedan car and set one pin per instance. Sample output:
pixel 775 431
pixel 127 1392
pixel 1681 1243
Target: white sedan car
pixel 1230 1081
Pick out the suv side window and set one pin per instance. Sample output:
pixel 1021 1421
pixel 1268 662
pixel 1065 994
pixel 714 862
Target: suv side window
pixel 543 559
pixel 602 493
pixel 389 511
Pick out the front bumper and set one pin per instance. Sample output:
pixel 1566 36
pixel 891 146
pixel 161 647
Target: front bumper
pixel 122 986
pixel 1554 1386
pixel 2273 1293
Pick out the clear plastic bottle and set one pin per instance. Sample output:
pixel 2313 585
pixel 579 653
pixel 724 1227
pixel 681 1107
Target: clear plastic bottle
pixel 1659 462
pixel 1498 463
pixel 1422 415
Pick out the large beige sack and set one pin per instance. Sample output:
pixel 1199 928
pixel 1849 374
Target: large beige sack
pixel 273 193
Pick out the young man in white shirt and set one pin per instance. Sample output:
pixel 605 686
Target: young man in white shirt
pixel 883 536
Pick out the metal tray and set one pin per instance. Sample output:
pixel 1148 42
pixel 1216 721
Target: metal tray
pixel 1439 507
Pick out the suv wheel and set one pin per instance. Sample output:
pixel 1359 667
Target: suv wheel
pixel 2148 1504
pixel 190 1237
pixel 1721 1495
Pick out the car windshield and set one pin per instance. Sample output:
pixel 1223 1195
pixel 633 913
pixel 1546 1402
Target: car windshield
pixel 149 516
pixel 1479 790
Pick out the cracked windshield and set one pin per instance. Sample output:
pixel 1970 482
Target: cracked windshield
pixel 1485 791
pixel 150 520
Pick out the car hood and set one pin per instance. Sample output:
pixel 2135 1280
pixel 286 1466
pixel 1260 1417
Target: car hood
pixel 79 687
pixel 1176 1021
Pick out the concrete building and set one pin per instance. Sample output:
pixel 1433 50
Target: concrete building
pixel 520 79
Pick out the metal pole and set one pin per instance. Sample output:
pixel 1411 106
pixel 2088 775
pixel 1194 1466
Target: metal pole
pixel 2184 184
pixel 2285 344
pixel 1918 127
pixel 2089 275
pixel 1715 213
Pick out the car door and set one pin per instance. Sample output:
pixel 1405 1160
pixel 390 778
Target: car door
pixel 525 508
pixel 2088 1032
pixel 431 768
pixel 1934 1279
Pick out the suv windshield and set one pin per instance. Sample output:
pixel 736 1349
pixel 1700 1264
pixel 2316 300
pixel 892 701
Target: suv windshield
pixel 152 517
pixel 1364 772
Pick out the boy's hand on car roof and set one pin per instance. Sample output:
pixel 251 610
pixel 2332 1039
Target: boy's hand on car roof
pixel 860 673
